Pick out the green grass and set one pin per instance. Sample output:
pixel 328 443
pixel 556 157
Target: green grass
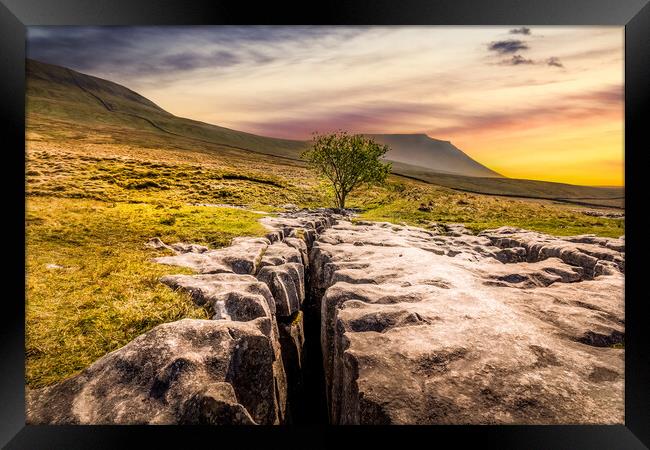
pixel 107 291
pixel 54 172
pixel 421 205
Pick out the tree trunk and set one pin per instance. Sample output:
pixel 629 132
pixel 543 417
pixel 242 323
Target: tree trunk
pixel 342 201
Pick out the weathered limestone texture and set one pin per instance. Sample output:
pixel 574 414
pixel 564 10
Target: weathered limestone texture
pixel 422 327
pixel 185 372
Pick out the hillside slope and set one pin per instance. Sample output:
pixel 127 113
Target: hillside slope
pixel 55 90
pixel 513 187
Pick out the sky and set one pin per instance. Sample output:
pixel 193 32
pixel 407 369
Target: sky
pixel 531 102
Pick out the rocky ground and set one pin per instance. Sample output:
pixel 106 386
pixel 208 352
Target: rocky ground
pixel 509 326
pixel 416 327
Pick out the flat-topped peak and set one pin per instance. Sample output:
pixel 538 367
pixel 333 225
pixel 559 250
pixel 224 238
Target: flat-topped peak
pixel 420 149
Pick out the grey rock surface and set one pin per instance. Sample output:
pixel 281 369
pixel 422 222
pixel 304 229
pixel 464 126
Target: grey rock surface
pixel 184 247
pixel 287 284
pixel 184 372
pixel 425 328
pixel 280 253
pixel 242 256
pixel 437 326
pixel 228 296
pixel 229 370
pixel 582 251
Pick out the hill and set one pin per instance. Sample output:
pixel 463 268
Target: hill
pixel 55 90
pixel 57 94
pixel 513 187
pixel 422 151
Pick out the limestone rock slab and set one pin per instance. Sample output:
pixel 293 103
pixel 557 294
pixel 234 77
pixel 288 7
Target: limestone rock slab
pixel 185 372
pixel 426 327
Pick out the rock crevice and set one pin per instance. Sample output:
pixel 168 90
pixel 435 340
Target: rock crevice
pixel 242 367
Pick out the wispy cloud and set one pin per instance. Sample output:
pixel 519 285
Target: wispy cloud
pixel 507 46
pixel 553 61
pixel 521 30
pixel 140 51
pixel 516 60
pixel 369 117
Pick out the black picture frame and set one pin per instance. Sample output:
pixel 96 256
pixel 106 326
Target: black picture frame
pixel 15 15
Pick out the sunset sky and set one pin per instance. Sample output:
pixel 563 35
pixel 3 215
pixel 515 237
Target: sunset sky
pixel 528 102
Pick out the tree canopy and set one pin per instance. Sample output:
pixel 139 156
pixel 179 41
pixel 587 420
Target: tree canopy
pixel 347 161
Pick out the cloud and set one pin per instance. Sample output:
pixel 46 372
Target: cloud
pixel 516 60
pixel 194 60
pixel 137 52
pixel 510 46
pixel 507 46
pixel 407 117
pixel 521 30
pixel 366 117
pixel 610 95
pixel 602 103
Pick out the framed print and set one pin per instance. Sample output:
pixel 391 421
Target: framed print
pixel 370 221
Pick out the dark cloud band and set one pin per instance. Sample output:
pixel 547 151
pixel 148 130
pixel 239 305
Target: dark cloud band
pixel 142 51
pixel 517 60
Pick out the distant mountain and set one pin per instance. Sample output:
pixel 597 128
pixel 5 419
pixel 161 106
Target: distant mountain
pixel 439 156
pixel 57 96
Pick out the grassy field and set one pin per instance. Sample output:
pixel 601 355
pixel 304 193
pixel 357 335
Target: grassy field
pixel 90 285
pixel 100 185
pixel 422 205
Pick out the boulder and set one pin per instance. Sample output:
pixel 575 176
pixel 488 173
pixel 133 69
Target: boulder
pixel 184 247
pixel 280 253
pixel 240 298
pixel 301 246
pixel 185 372
pixel 228 296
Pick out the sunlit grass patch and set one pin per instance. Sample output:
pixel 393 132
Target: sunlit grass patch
pixel 63 173
pixel 423 205
pixel 91 287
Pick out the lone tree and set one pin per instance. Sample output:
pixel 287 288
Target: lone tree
pixel 347 161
